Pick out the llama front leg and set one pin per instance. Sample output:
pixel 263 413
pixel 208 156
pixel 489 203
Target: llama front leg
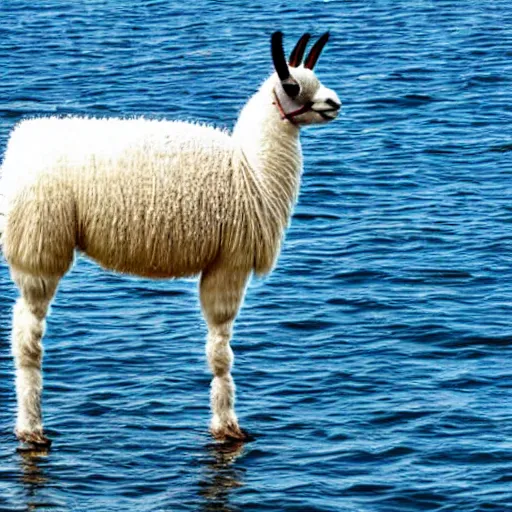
pixel 221 291
pixel 27 331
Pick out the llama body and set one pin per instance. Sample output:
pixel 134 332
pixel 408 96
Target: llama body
pixel 144 173
pixel 154 199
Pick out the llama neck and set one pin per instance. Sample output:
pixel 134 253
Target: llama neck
pixel 270 150
pixel 268 166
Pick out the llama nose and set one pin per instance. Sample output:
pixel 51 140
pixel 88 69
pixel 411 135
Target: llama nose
pixel 333 103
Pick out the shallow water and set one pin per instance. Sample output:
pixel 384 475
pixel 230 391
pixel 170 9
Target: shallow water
pixel 374 366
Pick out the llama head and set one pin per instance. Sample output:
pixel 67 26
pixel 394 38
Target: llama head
pixel 298 94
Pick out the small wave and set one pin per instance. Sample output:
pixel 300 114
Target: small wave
pixel 475 341
pixel 409 100
pixel 485 79
pixel 360 276
pixel 307 325
pixel 502 148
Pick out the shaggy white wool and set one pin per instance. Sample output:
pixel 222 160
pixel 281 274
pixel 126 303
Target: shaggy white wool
pixel 139 196
pixel 151 198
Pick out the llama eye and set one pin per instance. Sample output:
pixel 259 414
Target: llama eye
pixel 291 89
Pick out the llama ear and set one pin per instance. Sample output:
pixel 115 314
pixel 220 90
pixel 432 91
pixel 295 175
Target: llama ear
pixel 290 86
pixel 278 56
pixel 316 51
pixel 298 52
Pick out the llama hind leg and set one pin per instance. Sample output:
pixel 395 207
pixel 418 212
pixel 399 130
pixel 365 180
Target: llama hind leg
pixel 27 332
pixel 222 291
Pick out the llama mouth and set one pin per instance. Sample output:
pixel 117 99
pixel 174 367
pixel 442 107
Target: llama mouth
pixel 328 114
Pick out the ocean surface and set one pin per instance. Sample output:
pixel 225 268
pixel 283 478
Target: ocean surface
pixel 374 366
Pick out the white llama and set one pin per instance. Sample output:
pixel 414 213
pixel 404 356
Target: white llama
pixel 156 199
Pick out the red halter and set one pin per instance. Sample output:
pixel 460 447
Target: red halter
pixel 290 115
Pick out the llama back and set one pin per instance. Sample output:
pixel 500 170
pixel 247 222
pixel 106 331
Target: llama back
pixel 138 196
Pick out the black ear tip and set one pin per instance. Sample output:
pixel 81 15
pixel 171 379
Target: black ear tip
pixel 298 51
pixel 324 37
pixel 278 55
pixel 316 50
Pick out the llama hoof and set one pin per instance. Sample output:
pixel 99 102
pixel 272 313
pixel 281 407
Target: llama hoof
pixel 32 450
pixel 32 441
pixel 231 433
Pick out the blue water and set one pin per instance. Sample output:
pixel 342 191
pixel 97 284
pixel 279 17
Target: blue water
pixel 374 366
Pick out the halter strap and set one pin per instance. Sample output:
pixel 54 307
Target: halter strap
pixel 289 116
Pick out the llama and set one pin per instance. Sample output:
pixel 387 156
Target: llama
pixel 157 199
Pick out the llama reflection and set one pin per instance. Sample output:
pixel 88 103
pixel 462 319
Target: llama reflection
pixel 221 476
